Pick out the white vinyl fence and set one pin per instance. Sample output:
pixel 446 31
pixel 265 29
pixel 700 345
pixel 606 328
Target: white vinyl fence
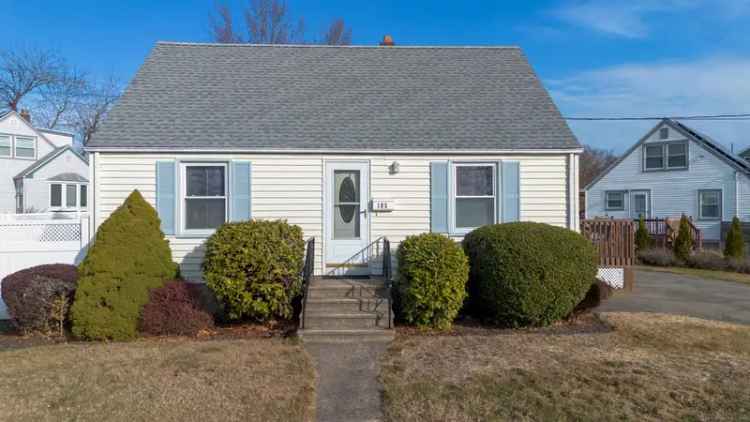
pixel 27 240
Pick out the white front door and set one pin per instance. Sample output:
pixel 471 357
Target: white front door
pixel 346 216
pixel 640 204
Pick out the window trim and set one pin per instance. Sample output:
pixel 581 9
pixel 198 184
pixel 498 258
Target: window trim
pixel 665 156
pixel 721 204
pixel 33 140
pixel 182 196
pixel 64 196
pixel 10 145
pixel 453 189
pixel 606 200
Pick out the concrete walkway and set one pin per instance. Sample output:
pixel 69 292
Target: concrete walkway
pixel 684 295
pixel 348 386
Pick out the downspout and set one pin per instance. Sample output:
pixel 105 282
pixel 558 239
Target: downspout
pixel 737 194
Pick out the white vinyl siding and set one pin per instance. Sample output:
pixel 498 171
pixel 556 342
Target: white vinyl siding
pixel 290 187
pixel 673 193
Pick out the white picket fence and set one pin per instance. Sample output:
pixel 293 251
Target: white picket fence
pixel 27 240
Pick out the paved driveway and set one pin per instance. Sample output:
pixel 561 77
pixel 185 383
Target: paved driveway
pixel 684 295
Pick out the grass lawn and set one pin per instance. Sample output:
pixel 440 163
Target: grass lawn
pixel 694 272
pixel 164 380
pixel 649 367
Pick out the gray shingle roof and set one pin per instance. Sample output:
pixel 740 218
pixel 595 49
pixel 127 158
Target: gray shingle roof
pixel 68 177
pixel 214 96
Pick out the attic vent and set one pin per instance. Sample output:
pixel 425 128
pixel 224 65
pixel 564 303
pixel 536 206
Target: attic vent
pixel 664 133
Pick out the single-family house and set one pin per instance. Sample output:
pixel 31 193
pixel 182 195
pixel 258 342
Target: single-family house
pixel 671 171
pixel 351 143
pixel 39 168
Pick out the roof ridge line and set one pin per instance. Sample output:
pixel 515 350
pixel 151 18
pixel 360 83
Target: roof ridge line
pixel 433 47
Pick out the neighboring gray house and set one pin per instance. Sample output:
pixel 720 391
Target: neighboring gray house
pixel 39 169
pixel 351 143
pixel 671 171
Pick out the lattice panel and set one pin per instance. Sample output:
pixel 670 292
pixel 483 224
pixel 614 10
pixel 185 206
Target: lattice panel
pixel 41 232
pixel 614 277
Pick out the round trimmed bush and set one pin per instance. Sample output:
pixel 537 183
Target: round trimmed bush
pixel 433 271
pixel 527 274
pixel 255 268
pixel 38 298
pixel 175 309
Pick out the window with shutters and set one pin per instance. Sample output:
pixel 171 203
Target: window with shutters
pixel 203 196
pixel 474 195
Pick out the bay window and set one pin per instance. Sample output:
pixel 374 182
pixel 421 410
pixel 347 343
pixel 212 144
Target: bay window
pixel 68 196
pixel 204 196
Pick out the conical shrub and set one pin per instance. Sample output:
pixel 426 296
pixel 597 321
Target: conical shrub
pixel 643 240
pixel 683 244
pixel 129 257
pixel 735 243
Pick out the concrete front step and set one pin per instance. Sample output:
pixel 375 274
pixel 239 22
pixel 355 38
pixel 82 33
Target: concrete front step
pixel 346 336
pixel 349 321
pixel 346 305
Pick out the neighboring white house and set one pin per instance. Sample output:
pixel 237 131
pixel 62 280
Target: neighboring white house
pixel 350 143
pixel 671 171
pixel 39 169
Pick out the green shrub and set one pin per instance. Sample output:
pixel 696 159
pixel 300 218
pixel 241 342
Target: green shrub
pixel 643 240
pixel 128 257
pixel 433 270
pixel 735 244
pixel 254 268
pixel 683 244
pixel 527 273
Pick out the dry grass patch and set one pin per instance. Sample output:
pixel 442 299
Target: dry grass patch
pixel 165 380
pixel 648 368
pixel 704 274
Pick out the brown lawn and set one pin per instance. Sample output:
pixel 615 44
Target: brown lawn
pixel 647 367
pixel 164 380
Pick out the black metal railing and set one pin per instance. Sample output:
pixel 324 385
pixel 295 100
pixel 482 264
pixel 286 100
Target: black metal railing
pixel 308 270
pixel 387 275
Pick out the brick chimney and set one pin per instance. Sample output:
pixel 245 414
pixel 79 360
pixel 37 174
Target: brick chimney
pixel 25 115
pixel 387 41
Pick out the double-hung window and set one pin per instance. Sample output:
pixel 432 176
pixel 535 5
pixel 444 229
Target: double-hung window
pixel 614 200
pixel 474 195
pixel 5 146
pixel 25 147
pixel 204 196
pixel 665 156
pixel 709 204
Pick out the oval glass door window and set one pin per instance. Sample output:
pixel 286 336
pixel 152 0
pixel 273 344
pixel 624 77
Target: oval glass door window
pixel 346 206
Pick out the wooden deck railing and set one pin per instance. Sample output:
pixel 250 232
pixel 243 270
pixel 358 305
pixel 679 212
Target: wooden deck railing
pixel 613 239
pixel 664 231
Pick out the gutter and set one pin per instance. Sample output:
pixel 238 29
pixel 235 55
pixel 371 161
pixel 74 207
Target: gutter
pixel 230 150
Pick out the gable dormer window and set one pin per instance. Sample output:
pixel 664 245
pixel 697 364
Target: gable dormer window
pixel 25 147
pixel 4 146
pixel 665 156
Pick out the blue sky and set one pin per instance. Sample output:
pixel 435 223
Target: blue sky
pixel 597 57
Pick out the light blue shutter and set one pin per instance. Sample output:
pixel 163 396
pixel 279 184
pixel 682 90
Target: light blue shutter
pixel 511 191
pixel 239 194
pixel 166 198
pixel 439 196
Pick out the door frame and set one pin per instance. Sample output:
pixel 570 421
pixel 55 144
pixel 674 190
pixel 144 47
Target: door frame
pixel 631 202
pixel 328 168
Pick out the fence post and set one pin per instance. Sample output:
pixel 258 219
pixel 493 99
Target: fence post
pixel 85 230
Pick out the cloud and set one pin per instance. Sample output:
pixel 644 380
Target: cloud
pixel 630 19
pixel 706 86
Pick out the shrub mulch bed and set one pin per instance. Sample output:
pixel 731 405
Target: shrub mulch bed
pixel 11 339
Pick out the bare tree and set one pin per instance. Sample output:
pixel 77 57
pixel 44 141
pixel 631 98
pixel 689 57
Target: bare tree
pixel 593 162
pixel 25 72
pixel 270 22
pixel 94 106
pixel 222 27
pixel 55 103
pixel 338 33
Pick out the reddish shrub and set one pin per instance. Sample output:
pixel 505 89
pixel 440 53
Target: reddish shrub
pixel 175 309
pixel 38 298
